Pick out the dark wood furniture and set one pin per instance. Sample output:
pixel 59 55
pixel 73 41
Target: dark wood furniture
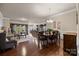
pixel 70 43
pixel 55 37
pixel 46 37
pixel 41 27
pixel 42 39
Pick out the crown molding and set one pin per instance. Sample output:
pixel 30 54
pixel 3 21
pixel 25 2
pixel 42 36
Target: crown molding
pixel 64 12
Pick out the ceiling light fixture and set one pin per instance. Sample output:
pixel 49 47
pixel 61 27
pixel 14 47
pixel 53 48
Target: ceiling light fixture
pixel 49 20
pixel 23 19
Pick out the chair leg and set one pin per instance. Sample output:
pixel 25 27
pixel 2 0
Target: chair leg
pixel 50 41
pixel 38 43
pixel 47 42
pixel 43 42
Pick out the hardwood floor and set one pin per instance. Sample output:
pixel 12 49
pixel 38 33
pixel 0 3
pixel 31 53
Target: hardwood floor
pixel 29 48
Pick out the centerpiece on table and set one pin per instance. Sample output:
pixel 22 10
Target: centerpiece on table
pixel 50 31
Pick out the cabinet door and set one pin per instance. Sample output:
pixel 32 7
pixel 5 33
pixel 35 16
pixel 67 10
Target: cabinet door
pixel 69 41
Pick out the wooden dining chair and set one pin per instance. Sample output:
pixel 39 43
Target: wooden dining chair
pixel 56 36
pixel 42 39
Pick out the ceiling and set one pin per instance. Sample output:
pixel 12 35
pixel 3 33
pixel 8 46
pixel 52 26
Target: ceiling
pixel 33 11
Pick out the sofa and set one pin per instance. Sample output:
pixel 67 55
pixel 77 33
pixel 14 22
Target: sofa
pixel 6 44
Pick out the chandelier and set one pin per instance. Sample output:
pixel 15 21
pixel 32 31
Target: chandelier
pixel 49 20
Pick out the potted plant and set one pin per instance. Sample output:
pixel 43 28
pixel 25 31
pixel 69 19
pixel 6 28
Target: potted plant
pixel 49 30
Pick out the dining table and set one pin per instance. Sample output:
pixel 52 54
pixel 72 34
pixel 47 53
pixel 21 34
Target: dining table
pixel 48 35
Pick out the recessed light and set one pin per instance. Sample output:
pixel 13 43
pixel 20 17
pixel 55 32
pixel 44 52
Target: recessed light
pixel 23 19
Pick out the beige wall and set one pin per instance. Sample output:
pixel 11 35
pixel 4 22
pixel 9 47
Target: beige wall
pixel 78 30
pixel 1 20
pixel 18 22
pixel 78 22
pixel 49 25
pixel 6 22
pixel 67 22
